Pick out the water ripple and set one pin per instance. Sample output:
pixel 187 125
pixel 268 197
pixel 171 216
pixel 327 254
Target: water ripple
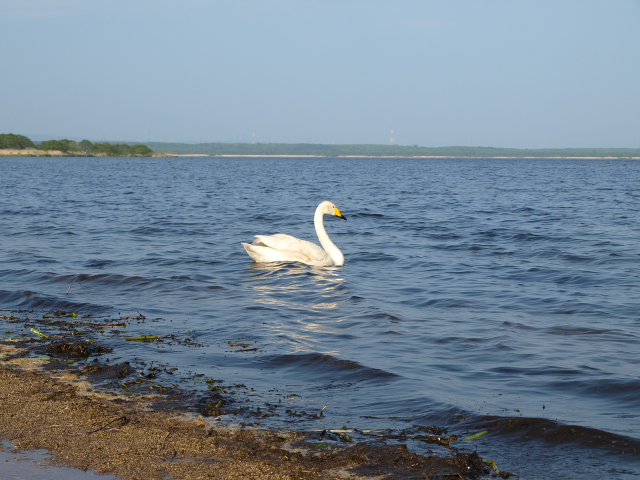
pixel 483 288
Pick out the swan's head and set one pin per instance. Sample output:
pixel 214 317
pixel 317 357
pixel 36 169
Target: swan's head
pixel 329 208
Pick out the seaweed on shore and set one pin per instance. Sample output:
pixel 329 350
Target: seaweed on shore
pixel 69 341
pixel 121 438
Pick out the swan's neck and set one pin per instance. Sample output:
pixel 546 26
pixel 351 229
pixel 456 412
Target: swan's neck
pixel 329 247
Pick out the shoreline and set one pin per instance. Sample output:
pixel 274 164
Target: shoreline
pixel 57 153
pixel 33 152
pixel 72 404
pixel 412 156
pixel 50 405
pixel 30 152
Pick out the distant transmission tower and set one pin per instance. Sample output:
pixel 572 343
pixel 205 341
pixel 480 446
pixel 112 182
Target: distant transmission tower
pixel 253 140
pixel 392 140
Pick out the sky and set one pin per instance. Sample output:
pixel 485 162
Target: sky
pixel 500 73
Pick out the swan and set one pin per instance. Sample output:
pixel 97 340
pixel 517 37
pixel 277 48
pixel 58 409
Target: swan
pixel 285 248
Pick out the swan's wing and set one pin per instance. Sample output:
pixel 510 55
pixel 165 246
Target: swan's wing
pixel 292 249
pixel 284 242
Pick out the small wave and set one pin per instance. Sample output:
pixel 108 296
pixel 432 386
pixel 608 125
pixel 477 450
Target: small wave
pixel 177 261
pixel 575 280
pixel 373 257
pixel 527 429
pixel 536 371
pixel 318 365
pixel 47 260
pixel 492 233
pixel 576 258
pixel 364 214
pixel 98 263
pixel 109 279
pixel 147 230
pixel 30 300
pixel 444 236
pixel 474 247
pixel 622 393
pixel 522 326
pixel 452 247
pixel 261 216
pixel 578 331
pixel 451 303
pixel 22 211
pixel 524 210
pixel 529 237
pixel 8 298
pixel 112 279
pixel 383 316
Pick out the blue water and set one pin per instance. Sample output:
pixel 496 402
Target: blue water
pixel 477 287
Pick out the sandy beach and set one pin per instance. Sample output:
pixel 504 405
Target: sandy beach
pixel 51 405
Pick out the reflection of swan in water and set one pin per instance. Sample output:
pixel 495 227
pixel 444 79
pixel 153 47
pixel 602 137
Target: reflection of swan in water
pixel 296 286
pixel 299 306
pixel 285 248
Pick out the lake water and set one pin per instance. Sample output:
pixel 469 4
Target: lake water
pixel 505 288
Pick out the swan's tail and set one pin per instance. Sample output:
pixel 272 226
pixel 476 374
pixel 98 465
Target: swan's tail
pixel 262 254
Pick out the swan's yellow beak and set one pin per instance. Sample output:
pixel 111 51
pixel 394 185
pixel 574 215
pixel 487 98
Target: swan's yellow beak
pixel 338 213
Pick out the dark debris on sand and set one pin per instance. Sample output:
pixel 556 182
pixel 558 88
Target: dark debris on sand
pixel 138 427
pixel 124 438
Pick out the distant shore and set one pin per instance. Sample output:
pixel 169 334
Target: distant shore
pixel 240 155
pixel 34 152
pixel 404 156
pixel 31 152
pixel 20 145
pixel 383 151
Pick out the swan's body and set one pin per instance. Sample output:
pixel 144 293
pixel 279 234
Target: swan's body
pixel 285 248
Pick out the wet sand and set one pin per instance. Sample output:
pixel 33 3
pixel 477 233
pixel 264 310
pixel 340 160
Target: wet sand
pixel 152 437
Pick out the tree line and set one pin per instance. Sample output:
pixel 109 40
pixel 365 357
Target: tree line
pixel 71 147
pixel 85 147
pixel 16 142
pixel 370 150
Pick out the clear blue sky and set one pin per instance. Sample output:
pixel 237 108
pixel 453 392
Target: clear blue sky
pixel 504 73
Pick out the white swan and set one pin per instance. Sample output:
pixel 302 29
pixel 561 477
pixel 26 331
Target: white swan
pixel 285 248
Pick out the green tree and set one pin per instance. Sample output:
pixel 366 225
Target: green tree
pixel 87 146
pixel 63 145
pixel 52 145
pixel 141 150
pixel 11 140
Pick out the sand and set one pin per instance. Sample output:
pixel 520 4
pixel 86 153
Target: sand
pixel 50 405
pixel 29 152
